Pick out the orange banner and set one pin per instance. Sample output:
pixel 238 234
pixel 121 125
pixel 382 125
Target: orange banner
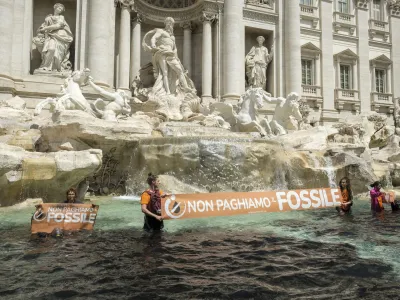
pixel 390 197
pixel 185 206
pixel 65 216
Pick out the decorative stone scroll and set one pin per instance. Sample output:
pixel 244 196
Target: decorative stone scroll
pixel 363 4
pixel 124 3
pixel 208 17
pixel 394 7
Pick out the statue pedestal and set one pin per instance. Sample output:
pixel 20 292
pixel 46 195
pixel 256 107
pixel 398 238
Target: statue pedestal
pixel 63 74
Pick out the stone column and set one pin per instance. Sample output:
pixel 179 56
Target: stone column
pixel 136 45
pixel 363 56
pixel 124 46
pixel 101 38
pixel 293 47
pixel 233 45
pixel 216 58
pixel 80 34
pixel 395 37
pixel 389 80
pixel 328 83
pixel 207 19
pixel 318 70
pixel 6 36
pixel 373 79
pixel 187 46
pixel 18 39
pixel 28 35
pixel 355 77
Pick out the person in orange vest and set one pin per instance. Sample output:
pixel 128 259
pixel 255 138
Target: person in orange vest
pixel 151 205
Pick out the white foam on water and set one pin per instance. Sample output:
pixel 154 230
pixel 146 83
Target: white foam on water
pixel 127 198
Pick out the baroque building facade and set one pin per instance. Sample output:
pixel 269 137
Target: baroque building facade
pixel 341 56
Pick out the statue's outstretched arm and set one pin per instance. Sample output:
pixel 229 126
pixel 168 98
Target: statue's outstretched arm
pixel 154 39
pixel 101 91
pixel 267 97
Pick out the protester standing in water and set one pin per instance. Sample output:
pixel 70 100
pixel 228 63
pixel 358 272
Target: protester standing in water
pixel 72 197
pixel 376 197
pixel 347 196
pixel 151 205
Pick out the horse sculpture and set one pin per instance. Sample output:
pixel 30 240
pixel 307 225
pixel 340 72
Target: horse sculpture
pixel 246 120
pixel 70 97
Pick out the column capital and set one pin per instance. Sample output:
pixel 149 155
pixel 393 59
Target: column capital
pixel 363 4
pixel 187 25
pixel 139 18
pixel 124 4
pixel 208 17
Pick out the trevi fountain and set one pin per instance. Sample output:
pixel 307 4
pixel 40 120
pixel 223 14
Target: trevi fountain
pixel 95 94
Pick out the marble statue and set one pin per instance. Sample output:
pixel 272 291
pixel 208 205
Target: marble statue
pixel 70 97
pixel 53 40
pixel 168 68
pixel 257 61
pixel 287 114
pixel 119 105
pixel 172 87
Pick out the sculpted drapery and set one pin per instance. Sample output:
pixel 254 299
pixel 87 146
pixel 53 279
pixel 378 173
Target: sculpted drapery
pixel 53 40
pixel 257 61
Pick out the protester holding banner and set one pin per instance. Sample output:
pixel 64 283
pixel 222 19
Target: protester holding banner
pixel 347 196
pixel 151 205
pixel 72 197
pixel 378 198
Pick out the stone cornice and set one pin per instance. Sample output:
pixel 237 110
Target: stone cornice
pixel 271 18
pixel 310 31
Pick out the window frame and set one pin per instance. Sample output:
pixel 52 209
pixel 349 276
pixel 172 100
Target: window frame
pixel 310 2
pixel 350 76
pixel 338 6
pixel 383 81
pixel 312 71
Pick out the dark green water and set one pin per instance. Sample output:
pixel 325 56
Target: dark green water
pixel 295 255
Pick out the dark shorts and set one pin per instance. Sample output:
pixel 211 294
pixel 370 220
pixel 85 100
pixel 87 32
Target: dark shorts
pixel 152 224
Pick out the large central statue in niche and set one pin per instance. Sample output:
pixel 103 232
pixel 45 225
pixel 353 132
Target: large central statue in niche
pixel 167 66
pixel 53 40
pixel 257 61
pixel 173 89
